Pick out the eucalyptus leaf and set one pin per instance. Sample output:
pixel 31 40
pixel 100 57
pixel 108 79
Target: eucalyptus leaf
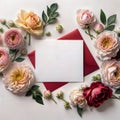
pixel 52 20
pixel 117 91
pixel 103 17
pixel 19 59
pixel 44 17
pixel 79 110
pixel 110 27
pixel 111 19
pixel 54 7
pixel 29 93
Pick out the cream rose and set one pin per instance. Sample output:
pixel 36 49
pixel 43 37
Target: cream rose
pixel 85 18
pixel 107 45
pixel 30 21
pixel 18 78
pixel 77 98
pixel 111 73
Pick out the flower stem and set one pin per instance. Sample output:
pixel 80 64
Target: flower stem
pixel 88 33
pixel 29 38
pixel 115 97
pixel 15 55
pixel 7 26
pixel 54 100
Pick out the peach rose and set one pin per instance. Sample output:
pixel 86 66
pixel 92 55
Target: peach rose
pixel 107 45
pixel 18 78
pixel 77 98
pixel 85 18
pixel 31 22
pixel 111 73
pixel 4 59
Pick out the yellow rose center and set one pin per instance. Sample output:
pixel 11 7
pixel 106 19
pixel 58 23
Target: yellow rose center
pixel 117 74
pixel 106 42
pixel 17 75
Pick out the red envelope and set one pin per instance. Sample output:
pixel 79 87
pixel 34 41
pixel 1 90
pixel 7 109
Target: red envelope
pixel 90 64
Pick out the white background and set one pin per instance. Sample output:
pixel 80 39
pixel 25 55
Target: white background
pixel 21 108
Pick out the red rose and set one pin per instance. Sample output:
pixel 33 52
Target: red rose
pixel 97 93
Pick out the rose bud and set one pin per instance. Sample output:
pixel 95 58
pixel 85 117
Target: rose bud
pixel 47 94
pixel 98 28
pixel 59 94
pixel 11 23
pixel 13 38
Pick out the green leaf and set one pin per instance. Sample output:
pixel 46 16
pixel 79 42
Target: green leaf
pixel 29 93
pixel 117 91
pixel 54 7
pixel 103 17
pixel 48 11
pixel 38 98
pixel 44 17
pixel 19 59
pixel 38 92
pixel 35 87
pixel 79 110
pixel 56 14
pixel 110 27
pixel 1 74
pixel 111 19
pixel 52 20
pixel 12 51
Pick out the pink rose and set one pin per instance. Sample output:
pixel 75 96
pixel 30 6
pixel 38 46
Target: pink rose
pixel 4 59
pixel 85 18
pixel 13 38
pixel 96 94
pixel 107 45
pixel 111 73
pixel 18 78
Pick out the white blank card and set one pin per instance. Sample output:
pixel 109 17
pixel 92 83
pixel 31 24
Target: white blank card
pixel 59 61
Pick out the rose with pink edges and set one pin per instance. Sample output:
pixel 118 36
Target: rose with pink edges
pixel 85 18
pixel 13 38
pixel 4 59
pixel 107 45
pixel 111 73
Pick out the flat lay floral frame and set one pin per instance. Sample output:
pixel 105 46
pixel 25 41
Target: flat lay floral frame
pixel 18 77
